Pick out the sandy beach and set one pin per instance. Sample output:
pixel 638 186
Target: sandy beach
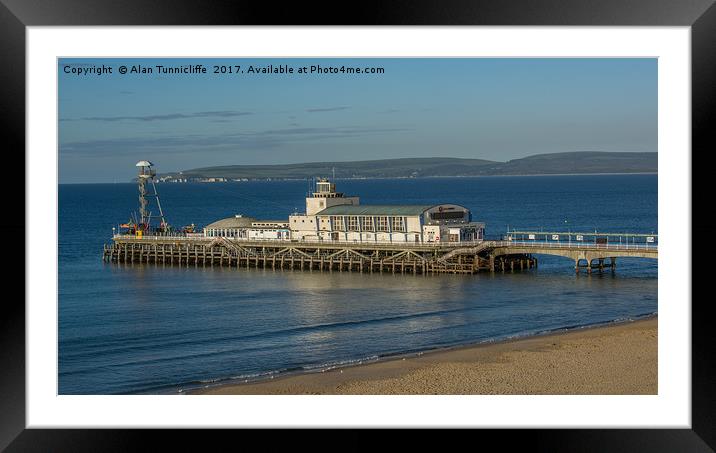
pixel 615 359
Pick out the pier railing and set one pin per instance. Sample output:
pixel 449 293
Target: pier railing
pixel 575 245
pixel 582 245
pixel 650 239
pixel 296 243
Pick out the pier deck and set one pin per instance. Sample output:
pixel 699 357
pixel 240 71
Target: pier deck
pixel 413 258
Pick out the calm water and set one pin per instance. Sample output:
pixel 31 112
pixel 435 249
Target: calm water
pixel 154 329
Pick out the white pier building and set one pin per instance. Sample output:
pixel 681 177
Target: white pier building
pixel 333 217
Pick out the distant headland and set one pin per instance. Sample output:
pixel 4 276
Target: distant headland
pixel 584 162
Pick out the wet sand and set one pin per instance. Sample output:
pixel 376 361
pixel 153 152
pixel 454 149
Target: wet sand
pixel 616 359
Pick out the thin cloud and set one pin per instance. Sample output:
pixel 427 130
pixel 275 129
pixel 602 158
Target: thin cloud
pixel 164 117
pixel 326 109
pixel 246 140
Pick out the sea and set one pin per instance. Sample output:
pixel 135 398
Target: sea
pixel 156 329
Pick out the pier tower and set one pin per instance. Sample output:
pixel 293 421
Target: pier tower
pixel 325 196
pixel 146 175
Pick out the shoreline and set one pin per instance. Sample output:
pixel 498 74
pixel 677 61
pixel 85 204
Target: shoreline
pixel 378 177
pixel 613 358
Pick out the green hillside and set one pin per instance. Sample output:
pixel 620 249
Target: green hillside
pixel 540 164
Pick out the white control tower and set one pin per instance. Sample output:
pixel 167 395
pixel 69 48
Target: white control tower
pixel 326 196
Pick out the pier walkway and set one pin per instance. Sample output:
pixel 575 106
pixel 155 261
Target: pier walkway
pixel 513 252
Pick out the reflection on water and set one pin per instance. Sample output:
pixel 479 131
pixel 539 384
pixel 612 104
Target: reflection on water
pixel 233 322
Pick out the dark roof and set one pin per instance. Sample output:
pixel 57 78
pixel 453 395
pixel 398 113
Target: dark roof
pixel 386 210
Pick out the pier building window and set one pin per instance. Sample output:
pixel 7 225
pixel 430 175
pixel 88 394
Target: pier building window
pixel 381 223
pixel 397 224
pixel 353 223
pixel 337 222
pixel 447 215
pixel 367 223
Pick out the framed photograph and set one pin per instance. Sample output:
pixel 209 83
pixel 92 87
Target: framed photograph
pixel 213 208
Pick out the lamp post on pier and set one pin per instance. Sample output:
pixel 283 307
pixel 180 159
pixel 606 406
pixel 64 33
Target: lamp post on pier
pixel 569 235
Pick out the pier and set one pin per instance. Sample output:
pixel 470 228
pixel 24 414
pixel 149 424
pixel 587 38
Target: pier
pixel 588 250
pixel 508 255
pixel 337 233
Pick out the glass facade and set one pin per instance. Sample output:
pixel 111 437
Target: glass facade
pixel 367 224
pixel 353 223
pixel 337 223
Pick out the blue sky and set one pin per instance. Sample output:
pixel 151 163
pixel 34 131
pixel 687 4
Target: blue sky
pixel 496 109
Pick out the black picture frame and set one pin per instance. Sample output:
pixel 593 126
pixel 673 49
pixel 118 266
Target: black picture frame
pixel 16 15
